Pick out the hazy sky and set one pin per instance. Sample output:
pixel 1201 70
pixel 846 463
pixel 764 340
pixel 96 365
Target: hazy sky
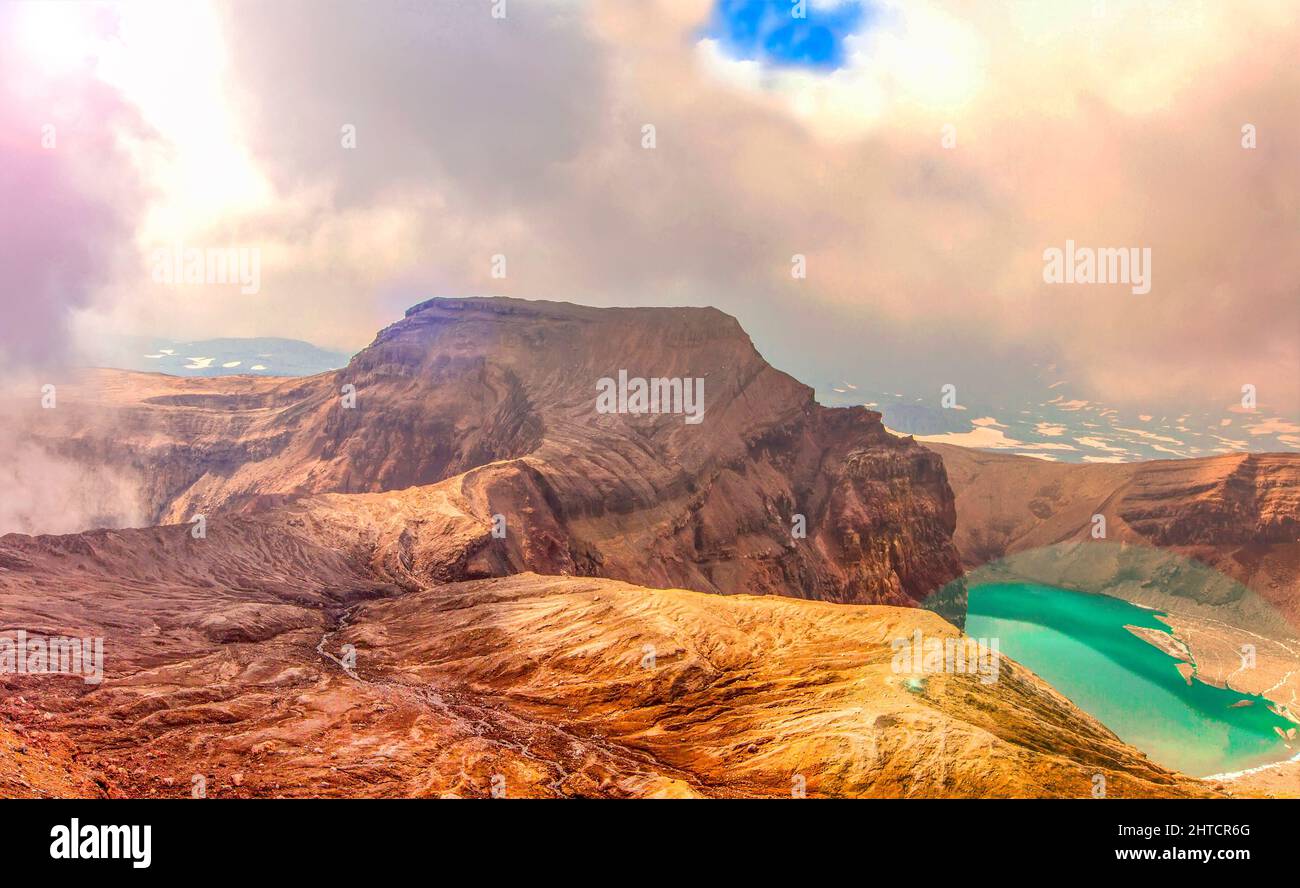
pixel 921 156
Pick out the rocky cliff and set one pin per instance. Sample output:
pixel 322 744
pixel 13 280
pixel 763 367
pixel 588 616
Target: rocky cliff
pixel 1237 513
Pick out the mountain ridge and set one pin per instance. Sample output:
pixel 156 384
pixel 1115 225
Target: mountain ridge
pixel 460 384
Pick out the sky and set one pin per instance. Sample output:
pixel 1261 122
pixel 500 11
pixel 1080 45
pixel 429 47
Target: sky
pixel 770 33
pixel 916 158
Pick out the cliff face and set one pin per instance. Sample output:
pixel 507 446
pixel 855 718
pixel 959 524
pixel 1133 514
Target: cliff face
pixel 1238 499
pixel 1238 513
pixel 502 393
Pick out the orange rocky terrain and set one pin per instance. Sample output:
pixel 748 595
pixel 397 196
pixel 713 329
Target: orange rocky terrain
pixel 272 665
pixel 349 624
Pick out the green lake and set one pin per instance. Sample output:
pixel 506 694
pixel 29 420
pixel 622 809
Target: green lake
pixel 1077 642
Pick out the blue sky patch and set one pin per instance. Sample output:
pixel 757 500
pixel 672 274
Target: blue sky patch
pixel 766 31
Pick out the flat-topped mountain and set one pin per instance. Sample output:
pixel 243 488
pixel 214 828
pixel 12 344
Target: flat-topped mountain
pixel 767 492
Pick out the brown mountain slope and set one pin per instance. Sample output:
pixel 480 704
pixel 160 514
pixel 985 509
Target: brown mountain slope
pixel 274 657
pixel 1238 513
pixel 508 388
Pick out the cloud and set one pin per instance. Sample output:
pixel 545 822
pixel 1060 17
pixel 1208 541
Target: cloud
pixel 523 137
pixel 1099 444
pixel 1274 426
pixel 70 194
pixel 46 493
pixel 450 97
pixel 1150 436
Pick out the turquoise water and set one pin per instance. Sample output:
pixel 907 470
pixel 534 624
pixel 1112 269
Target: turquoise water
pixel 1077 642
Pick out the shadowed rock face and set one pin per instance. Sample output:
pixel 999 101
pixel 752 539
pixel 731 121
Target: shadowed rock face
pixel 511 385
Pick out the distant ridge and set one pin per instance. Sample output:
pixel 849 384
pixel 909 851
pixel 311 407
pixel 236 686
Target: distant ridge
pixel 255 356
